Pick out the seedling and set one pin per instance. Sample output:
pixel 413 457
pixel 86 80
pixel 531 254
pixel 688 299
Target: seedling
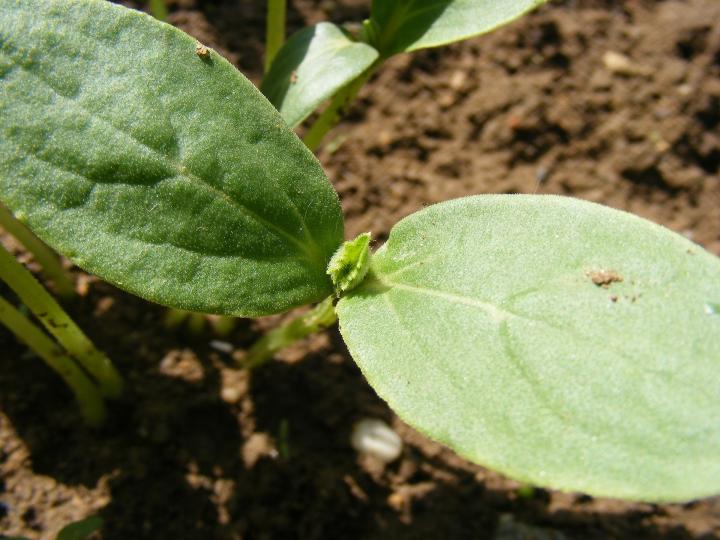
pixel 325 61
pixel 478 320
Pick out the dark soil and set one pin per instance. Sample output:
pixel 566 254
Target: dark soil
pixel 196 450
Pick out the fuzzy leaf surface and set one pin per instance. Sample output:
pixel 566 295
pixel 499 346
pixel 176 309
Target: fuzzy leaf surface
pixel 409 25
pixel 560 342
pixel 155 166
pixel 311 66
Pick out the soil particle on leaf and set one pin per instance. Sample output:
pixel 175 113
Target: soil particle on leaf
pixel 201 50
pixel 604 278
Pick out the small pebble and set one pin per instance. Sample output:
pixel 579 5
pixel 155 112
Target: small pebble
pixel 619 63
pixel 222 346
pixel 231 394
pixel 375 438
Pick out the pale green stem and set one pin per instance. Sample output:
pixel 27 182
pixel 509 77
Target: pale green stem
pixel 175 317
pixel 59 324
pixel 320 317
pixel 275 30
pixel 336 110
pixel 196 323
pixel 222 324
pixel 159 9
pixel 43 255
pixel 86 393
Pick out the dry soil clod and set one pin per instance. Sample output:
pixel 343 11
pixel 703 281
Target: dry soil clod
pixel 603 278
pixel 201 50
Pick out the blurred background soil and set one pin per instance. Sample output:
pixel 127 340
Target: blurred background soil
pixel 611 101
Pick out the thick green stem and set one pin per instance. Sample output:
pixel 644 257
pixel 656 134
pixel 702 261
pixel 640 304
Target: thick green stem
pixel 320 317
pixel 275 30
pixel 336 110
pixel 222 324
pixel 43 254
pixel 159 9
pixel 175 317
pixel 86 393
pixel 59 324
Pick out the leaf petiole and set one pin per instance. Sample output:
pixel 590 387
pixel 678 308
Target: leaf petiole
pixel 320 317
pixel 337 109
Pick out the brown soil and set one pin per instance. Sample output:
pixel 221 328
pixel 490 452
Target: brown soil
pixel 195 448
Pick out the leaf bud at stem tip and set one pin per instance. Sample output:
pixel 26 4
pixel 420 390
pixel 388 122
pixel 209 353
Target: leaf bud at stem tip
pixel 350 263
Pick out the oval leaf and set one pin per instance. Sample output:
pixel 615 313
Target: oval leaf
pixel 152 162
pixel 560 342
pixel 312 65
pixel 409 25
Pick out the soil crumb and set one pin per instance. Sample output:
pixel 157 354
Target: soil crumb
pixel 604 278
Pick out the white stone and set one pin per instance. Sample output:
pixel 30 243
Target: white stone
pixel 375 438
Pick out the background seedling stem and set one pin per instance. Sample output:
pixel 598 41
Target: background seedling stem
pixel 159 9
pixel 336 110
pixel 86 393
pixel 43 255
pixel 59 324
pixel 275 30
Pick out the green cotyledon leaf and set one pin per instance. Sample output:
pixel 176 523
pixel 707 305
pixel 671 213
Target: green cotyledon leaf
pixel 152 162
pixel 409 25
pixel 560 342
pixel 312 65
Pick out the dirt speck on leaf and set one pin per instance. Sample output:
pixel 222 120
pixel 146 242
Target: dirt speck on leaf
pixel 201 50
pixel 603 278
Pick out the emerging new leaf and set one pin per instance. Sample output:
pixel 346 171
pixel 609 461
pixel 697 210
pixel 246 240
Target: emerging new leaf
pixel 349 266
pixel 312 65
pixel 153 163
pixel 563 343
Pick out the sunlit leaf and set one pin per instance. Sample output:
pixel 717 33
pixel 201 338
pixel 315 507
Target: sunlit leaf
pixel 153 163
pixel 563 343
pixel 408 25
pixel 312 65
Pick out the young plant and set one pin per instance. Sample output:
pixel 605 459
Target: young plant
pixel 325 61
pixel 560 342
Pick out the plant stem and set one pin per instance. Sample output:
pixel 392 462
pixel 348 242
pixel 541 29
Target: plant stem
pixel 337 109
pixel 86 393
pixel 320 317
pixel 222 324
pixel 43 254
pixel 175 317
pixel 159 9
pixel 275 30
pixel 59 324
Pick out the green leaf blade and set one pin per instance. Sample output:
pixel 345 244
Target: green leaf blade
pixel 158 169
pixel 409 25
pixel 80 530
pixel 498 341
pixel 311 67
